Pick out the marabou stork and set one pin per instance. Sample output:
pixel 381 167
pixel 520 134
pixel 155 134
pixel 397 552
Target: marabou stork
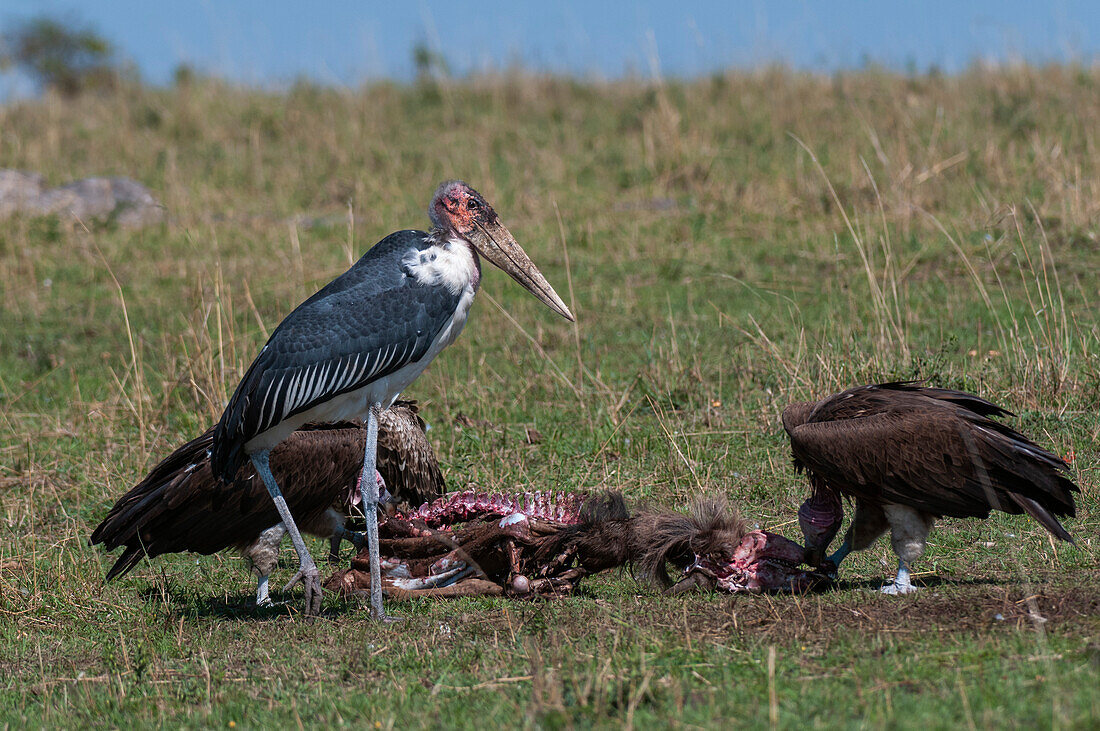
pixel 182 506
pixel 350 349
pixel 907 455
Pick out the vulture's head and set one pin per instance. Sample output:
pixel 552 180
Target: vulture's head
pixel 820 518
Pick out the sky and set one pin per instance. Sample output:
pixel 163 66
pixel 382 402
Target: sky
pixel 344 42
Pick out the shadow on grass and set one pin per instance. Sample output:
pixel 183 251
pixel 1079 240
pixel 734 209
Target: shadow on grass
pixel 923 582
pixel 189 602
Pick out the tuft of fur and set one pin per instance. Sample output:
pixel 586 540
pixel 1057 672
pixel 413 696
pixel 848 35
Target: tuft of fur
pixel 713 528
pixel 609 536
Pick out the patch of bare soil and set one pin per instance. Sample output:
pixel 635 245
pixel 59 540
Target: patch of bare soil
pixel 1064 608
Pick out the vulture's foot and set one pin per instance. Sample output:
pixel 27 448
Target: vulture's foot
pixel 902 584
pixel 895 589
pixel 310 578
pixel 828 569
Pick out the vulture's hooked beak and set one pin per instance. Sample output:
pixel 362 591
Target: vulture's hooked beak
pixel 496 243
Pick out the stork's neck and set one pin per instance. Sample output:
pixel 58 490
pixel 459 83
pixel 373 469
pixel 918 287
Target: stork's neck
pixel 449 261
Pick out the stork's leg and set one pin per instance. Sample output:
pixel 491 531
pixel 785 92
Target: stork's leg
pixel 307 569
pixel 369 495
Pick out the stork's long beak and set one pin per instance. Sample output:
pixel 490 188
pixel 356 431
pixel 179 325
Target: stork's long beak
pixel 493 241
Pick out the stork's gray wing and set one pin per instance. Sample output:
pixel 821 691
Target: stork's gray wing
pixel 364 325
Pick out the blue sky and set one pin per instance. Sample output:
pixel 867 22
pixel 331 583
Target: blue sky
pixel 345 42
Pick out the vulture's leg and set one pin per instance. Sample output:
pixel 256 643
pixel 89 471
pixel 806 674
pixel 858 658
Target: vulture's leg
pixel 840 554
pixel 331 524
pixel 264 555
pixel 902 584
pixel 908 534
pixel 369 497
pixel 339 530
pixel 343 534
pixel 868 524
pixel 307 569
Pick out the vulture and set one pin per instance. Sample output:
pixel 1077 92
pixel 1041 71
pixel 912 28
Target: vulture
pixel 908 454
pixel 181 505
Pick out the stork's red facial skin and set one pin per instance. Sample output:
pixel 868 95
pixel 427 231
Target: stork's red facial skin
pixel 459 211
pixel 460 208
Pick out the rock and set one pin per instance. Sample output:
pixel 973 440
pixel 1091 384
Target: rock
pixel 126 201
pixel 18 190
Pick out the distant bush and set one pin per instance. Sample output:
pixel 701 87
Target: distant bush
pixel 61 56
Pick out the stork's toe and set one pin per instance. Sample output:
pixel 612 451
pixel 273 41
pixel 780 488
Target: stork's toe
pixel 310 578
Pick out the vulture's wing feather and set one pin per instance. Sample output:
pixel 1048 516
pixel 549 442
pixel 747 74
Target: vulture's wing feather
pixel 405 456
pixel 936 452
pixel 182 506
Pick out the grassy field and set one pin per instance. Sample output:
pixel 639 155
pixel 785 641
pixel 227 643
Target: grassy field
pixel 728 245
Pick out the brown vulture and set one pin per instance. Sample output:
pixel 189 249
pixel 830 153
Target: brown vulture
pixel 182 506
pixel 908 454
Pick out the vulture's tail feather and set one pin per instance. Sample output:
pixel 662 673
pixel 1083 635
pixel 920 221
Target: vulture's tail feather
pixel 145 502
pixel 1045 519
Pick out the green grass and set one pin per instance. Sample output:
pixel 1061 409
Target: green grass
pixel 729 245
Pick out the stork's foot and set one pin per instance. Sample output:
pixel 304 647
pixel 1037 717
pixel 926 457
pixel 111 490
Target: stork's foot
pixel 379 614
pixel 386 618
pixel 310 578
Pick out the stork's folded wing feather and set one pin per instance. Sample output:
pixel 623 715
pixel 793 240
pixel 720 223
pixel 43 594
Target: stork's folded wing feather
pixel 296 370
pixel 364 325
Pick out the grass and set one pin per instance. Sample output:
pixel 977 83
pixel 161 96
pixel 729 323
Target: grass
pixel 728 244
